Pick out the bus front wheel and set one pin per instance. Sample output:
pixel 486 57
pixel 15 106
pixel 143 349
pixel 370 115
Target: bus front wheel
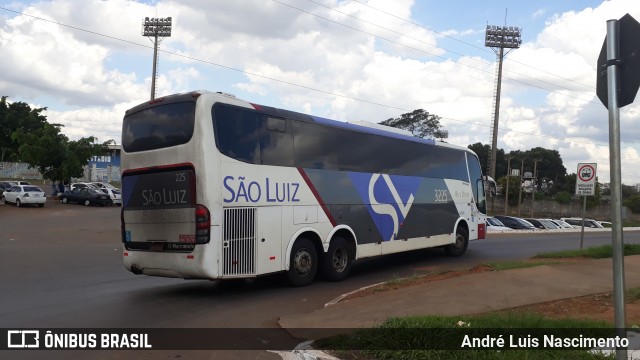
pixel 303 263
pixel 461 243
pixel 336 263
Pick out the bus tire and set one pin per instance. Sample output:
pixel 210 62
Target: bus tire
pixel 335 264
pixel 460 245
pixel 303 262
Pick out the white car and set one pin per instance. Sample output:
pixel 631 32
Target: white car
pixel 24 194
pixel 80 185
pixel 114 194
pixel 561 224
pixel 495 225
pixel 102 185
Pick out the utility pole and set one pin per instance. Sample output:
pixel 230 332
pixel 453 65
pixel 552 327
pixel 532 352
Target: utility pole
pixel 535 185
pixel 520 192
pixel 506 194
pixel 499 38
pixel 156 29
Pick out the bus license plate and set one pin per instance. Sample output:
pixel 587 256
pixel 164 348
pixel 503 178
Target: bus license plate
pixel 157 247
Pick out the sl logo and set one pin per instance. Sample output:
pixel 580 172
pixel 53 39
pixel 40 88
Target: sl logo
pixel 388 199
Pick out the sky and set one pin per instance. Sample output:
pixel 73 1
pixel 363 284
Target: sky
pixel 350 60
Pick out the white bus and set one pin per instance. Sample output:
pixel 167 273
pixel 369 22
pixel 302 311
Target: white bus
pixel 214 187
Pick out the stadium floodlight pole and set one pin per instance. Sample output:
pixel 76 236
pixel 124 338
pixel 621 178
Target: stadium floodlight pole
pixel 156 29
pixel 499 38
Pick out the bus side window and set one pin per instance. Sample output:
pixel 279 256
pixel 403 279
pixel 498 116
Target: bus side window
pixel 316 146
pixel 276 143
pixel 237 133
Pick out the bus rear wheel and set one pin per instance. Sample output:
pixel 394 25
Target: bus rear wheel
pixel 460 245
pixel 336 263
pixel 303 263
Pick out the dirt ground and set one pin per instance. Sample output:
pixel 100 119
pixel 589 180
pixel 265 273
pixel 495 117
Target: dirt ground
pixel 597 306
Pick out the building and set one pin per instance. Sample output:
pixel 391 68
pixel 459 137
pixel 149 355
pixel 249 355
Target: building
pixel 105 168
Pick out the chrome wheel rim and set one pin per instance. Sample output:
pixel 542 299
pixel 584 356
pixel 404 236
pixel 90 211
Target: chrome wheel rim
pixel 303 262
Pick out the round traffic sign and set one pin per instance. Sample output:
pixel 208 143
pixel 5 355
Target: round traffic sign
pixel 586 172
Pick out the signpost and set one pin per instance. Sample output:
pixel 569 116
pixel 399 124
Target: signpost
pixel 619 55
pixel 585 186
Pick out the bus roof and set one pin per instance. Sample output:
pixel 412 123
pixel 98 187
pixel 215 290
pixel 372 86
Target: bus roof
pixel 229 98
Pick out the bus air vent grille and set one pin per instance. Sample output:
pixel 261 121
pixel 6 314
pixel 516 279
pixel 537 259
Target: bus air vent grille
pixel 239 241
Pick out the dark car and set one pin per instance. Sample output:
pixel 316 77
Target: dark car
pixel 515 223
pixel 4 186
pixel 86 196
pixel 542 224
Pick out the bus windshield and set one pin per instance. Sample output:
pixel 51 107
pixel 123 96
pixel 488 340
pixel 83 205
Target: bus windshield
pixel 158 127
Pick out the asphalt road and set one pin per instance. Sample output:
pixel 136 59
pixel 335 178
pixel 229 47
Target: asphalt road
pixel 61 267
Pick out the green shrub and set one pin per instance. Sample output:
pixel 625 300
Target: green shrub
pixel 563 197
pixel 633 203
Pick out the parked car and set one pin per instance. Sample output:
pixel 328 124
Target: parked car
pixel 102 185
pixel 495 225
pixel 515 222
pixel 588 223
pixel 542 224
pixel 82 185
pixel 24 194
pixel 561 224
pixel 86 196
pixel 4 185
pixel 19 182
pixel 114 194
pixel 605 224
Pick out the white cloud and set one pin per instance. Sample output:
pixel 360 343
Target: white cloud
pixel 95 78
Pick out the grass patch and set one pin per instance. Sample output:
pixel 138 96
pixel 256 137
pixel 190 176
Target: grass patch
pixel 631 295
pixel 416 278
pixel 598 252
pixel 442 337
pixel 630 223
pixel 507 265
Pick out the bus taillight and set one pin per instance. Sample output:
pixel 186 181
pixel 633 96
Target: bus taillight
pixel 203 224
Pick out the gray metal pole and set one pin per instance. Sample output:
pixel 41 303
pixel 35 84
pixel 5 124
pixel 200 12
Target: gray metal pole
pixel 616 181
pixel 584 209
pixel 155 60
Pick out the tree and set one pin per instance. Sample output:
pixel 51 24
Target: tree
pixel 550 165
pixel 420 123
pixel 16 116
pixel 514 188
pixel 51 152
pixel 633 203
pixel 483 152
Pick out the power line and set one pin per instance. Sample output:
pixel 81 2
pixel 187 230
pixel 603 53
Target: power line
pixel 483 62
pixel 469 44
pixel 429 53
pixel 290 83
